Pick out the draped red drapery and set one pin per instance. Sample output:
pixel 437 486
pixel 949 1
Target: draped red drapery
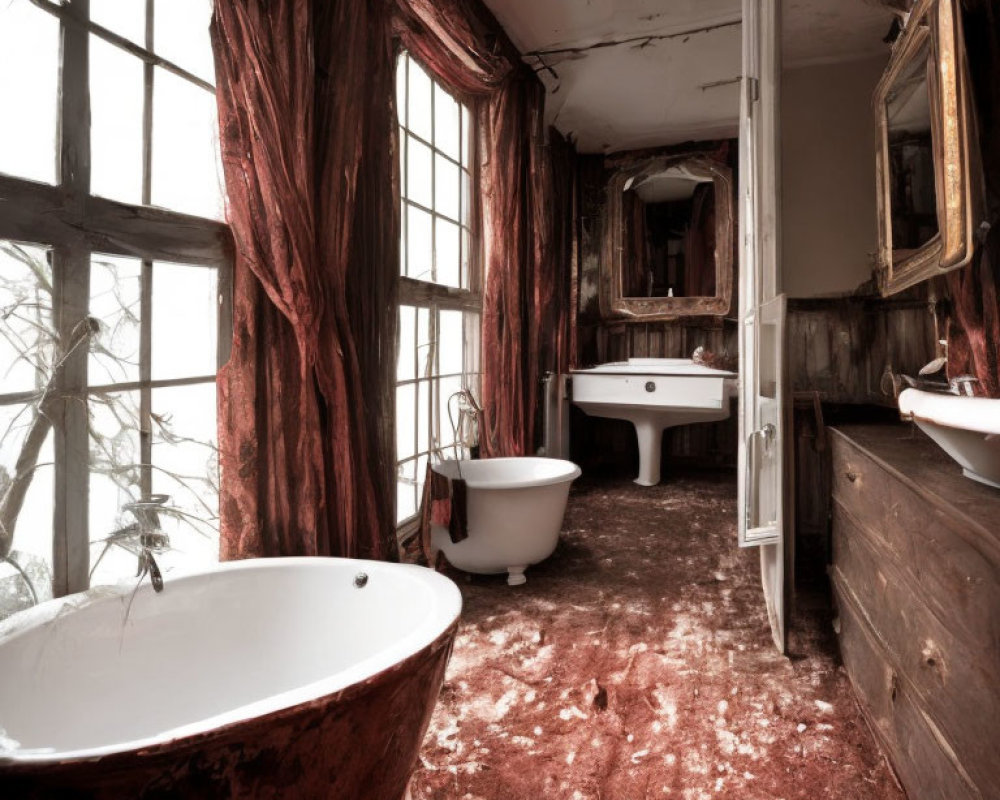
pixel 974 333
pixel 305 93
pixel 525 318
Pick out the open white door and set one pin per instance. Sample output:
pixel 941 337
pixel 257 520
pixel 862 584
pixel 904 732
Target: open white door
pixel 764 483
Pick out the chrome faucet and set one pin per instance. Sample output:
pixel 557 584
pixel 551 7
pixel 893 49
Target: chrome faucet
pixel 962 385
pixel 143 538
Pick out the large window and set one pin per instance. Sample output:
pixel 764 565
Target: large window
pixel 114 277
pixel 439 278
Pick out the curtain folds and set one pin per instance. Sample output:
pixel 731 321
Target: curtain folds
pixel 306 94
pixel 525 302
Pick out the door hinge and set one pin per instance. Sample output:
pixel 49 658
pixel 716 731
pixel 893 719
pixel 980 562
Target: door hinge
pixel 752 89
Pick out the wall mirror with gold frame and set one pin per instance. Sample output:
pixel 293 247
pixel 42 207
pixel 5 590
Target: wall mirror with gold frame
pixel 925 151
pixel 668 240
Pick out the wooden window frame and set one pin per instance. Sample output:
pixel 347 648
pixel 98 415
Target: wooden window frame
pixel 436 297
pixel 76 225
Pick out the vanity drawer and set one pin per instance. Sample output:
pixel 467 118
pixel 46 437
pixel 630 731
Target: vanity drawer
pixel 950 677
pixel 894 714
pixel 948 566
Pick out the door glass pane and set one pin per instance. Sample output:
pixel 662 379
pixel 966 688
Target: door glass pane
pixel 186 468
pixel 29 86
pixel 25 440
pixel 180 32
pixel 116 101
pixel 27 338
pixel 125 17
pixel 114 303
pixel 186 168
pixel 184 320
pixel 115 481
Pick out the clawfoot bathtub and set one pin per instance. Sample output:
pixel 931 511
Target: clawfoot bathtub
pixel 515 513
pixel 285 677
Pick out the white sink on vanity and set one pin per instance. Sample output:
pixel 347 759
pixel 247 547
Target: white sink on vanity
pixel 654 394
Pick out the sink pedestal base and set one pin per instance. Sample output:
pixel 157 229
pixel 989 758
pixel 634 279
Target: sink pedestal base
pixel 650 436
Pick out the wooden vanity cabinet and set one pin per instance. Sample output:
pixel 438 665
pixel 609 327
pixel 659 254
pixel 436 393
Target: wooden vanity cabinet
pixel 916 580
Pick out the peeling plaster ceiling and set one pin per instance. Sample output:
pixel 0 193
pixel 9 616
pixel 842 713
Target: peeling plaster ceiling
pixel 666 71
pixel 832 31
pixel 644 91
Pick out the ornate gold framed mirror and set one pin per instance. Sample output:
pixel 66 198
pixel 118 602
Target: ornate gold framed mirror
pixel 926 150
pixel 668 240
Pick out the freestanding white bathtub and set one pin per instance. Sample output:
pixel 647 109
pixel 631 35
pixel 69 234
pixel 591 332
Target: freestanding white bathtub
pixel 515 513
pixel 312 677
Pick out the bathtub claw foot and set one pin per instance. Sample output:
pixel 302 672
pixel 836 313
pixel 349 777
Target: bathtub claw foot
pixel 515 576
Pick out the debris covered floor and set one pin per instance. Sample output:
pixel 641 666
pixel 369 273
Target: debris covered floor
pixel 637 663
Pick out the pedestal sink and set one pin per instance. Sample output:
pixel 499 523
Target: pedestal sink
pixel 966 428
pixel 654 394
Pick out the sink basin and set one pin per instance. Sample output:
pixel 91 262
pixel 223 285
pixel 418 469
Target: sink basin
pixel 966 428
pixel 654 394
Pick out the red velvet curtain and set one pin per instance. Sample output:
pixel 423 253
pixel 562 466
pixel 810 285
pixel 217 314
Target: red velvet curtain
pixel 525 305
pixel 305 92
pixel 974 333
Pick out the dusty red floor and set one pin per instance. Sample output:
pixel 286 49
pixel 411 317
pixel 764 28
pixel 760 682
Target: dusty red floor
pixel 637 663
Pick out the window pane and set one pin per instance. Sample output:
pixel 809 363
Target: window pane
pixel 115 304
pixel 29 83
pixel 184 321
pixel 446 122
pixel 465 258
pixel 448 253
pixel 125 17
pixel 406 491
pixel 419 248
pixel 180 34
pixel 419 109
pixel 451 342
pixel 407 339
pixel 115 480
pixel 418 176
pixel 466 188
pixel 447 391
pixel 27 338
pixel 405 421
pixel 26 438
pixel 466 137
pixel 446 187
pixel 425 354
pixel 186 170
pixel 186 467
pixel 401 90
pixel 423 416
pixel 116 100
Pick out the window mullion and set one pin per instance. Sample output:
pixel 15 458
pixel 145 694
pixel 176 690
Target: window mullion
pixel 146 277
pixel 71 293
pixel 147 113
pixel 145 376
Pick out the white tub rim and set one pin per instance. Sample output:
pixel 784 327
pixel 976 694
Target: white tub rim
pixel 435 623
pixel 562 472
